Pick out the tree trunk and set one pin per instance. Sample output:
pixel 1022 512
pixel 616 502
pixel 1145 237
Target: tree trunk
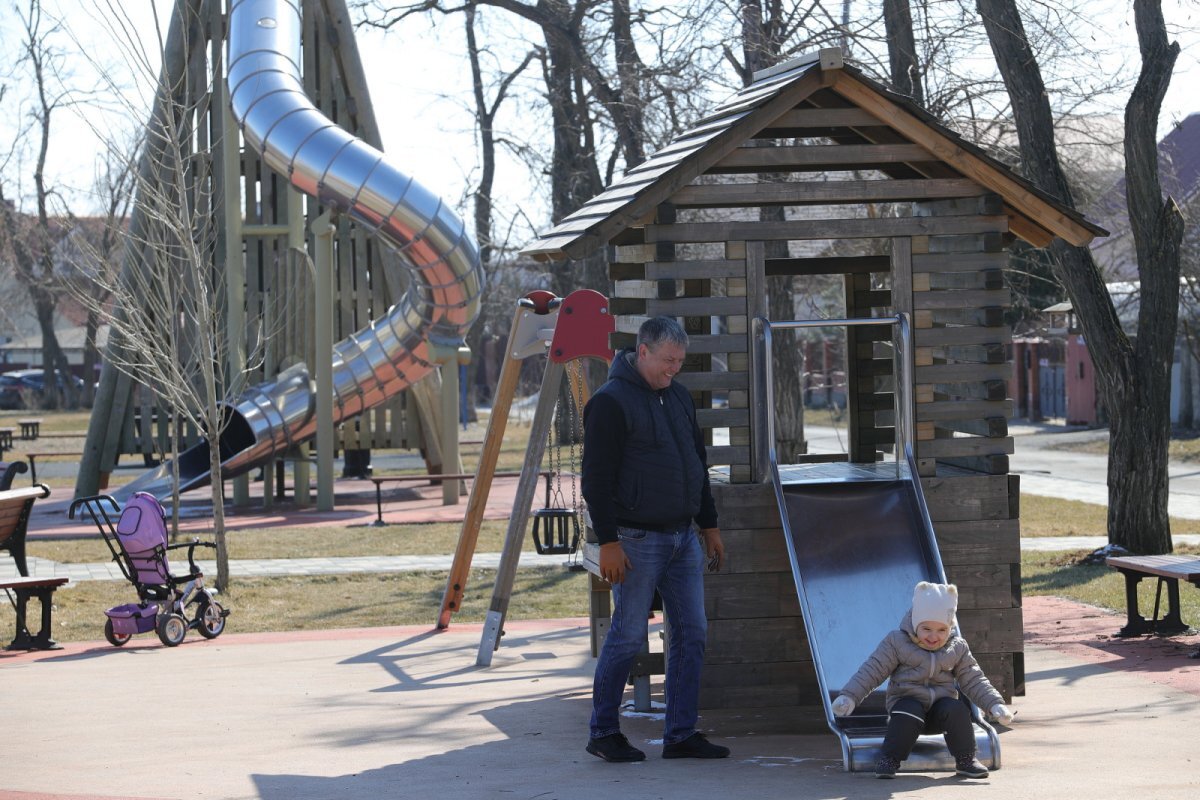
pixel 1130 378
pixel 902 50
pixel 760 49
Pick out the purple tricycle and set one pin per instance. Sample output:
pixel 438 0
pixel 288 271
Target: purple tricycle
pixel 138 543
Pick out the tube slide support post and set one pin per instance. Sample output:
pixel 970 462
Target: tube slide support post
pixel 323 229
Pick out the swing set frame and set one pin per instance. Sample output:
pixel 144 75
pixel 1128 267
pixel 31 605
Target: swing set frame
pixel 564 330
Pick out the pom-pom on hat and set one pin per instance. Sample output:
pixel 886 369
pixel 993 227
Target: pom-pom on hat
pixel 934 602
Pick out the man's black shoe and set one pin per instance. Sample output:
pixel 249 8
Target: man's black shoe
pixel 695 746
pixel 614 747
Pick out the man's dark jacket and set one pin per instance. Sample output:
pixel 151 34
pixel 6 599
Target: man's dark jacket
pixel 643 456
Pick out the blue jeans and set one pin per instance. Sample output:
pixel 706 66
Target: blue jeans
pixel 672 563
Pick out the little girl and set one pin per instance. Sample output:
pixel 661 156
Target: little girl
pixel 925 662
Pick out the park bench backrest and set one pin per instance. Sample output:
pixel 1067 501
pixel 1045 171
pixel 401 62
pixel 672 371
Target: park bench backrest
pixel 15 505
pixel 9 470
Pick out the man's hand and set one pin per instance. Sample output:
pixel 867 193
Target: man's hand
pixel 714 548
pixel 613 562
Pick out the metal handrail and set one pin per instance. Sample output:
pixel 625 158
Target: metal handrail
pixel 905 411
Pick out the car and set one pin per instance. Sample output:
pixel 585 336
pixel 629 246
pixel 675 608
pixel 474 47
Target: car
pixel 10 393
pixel 14 385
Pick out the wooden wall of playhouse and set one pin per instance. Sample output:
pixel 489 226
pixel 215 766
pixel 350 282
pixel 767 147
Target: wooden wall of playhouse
pixel 941 261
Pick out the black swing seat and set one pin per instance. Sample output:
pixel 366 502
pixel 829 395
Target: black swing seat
pixel 555 531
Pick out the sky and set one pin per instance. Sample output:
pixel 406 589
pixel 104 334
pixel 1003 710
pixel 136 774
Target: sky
pixel 420 85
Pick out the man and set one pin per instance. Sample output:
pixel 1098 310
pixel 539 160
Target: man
pixel 645 480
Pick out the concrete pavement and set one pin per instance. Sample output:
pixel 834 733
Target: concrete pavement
pixel 405 713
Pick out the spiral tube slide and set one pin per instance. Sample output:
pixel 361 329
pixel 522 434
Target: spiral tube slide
pixel 341 171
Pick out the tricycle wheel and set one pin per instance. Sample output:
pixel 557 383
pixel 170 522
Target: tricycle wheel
pixel 114 638
pixel 210 619
pixel 171 629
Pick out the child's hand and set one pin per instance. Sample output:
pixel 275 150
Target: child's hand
pixel 842 706
pixel 1002 714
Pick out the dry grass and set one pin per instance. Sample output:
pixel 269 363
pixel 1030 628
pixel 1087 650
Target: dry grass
pixel 1051 516
pixel 332 601
pixel 1059 574
pixel 318 602
pixel 1184 447
pixel 308 542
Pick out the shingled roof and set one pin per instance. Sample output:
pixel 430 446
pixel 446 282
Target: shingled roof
pixel 1034 215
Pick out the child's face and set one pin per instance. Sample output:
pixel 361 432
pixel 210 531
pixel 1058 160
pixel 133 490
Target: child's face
pixel 932 635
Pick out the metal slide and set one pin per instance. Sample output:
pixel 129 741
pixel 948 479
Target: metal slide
pixel 859 539
pixel 324 161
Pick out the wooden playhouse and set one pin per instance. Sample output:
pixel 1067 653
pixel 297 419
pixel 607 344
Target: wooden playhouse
pixel 911 218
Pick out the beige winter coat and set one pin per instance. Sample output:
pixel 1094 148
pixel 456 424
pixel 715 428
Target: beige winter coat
pixel 925 675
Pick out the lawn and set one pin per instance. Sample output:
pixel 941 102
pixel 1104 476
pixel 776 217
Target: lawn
pixel 306 603
pixel 319 602
pixel 1184 447
pixel 1059 574
pixel 1051 516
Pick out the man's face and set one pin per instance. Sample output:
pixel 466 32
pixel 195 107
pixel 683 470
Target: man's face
pixel 659 364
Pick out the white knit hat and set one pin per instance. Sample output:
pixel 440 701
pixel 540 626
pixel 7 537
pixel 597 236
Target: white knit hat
pixel 934 602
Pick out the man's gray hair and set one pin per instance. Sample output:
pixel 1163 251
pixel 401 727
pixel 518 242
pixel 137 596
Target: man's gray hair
pixel 657 330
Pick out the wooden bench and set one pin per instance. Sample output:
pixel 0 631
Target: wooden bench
pixel 433 479
pixel 1168 569
pixel 15 505
pixel 30 428
pixel 24 589
pixel 6 439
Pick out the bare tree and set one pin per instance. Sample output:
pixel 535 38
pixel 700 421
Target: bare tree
pixel 1134 376
pixel 166 331
pixel 902 50
pixel 100 261
pixel 33 243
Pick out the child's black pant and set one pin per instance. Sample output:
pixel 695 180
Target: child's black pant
pixel 908 719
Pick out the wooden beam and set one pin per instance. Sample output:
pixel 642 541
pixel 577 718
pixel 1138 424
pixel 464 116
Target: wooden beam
pixel 942 337
pixel 878 227
pixel 828 265
pixel 697 306
pixel 824 118
pixel 832 157
pixel 963 409
pixel 794 193
pixel 1016 195
pixel 969 298
pixel 958 262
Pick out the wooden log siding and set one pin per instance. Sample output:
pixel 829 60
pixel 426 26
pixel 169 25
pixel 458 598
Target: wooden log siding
pixel 864 228
pixel 797 193
pixel 958 262
pixel 755 623
pixel 818 158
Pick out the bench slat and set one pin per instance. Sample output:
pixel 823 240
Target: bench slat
pixel 31 583
pixel 1166 566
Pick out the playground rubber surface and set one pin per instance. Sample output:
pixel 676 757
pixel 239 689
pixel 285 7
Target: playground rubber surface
pixel 404 712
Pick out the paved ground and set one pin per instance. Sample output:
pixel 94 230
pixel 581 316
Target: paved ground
pixel 404 713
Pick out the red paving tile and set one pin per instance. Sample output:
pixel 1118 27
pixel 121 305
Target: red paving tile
pixel 1087 633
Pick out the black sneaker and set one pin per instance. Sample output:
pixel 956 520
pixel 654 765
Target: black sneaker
pixel 614 747
pixel 886 767
pixel 695 746
pixel 968 767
